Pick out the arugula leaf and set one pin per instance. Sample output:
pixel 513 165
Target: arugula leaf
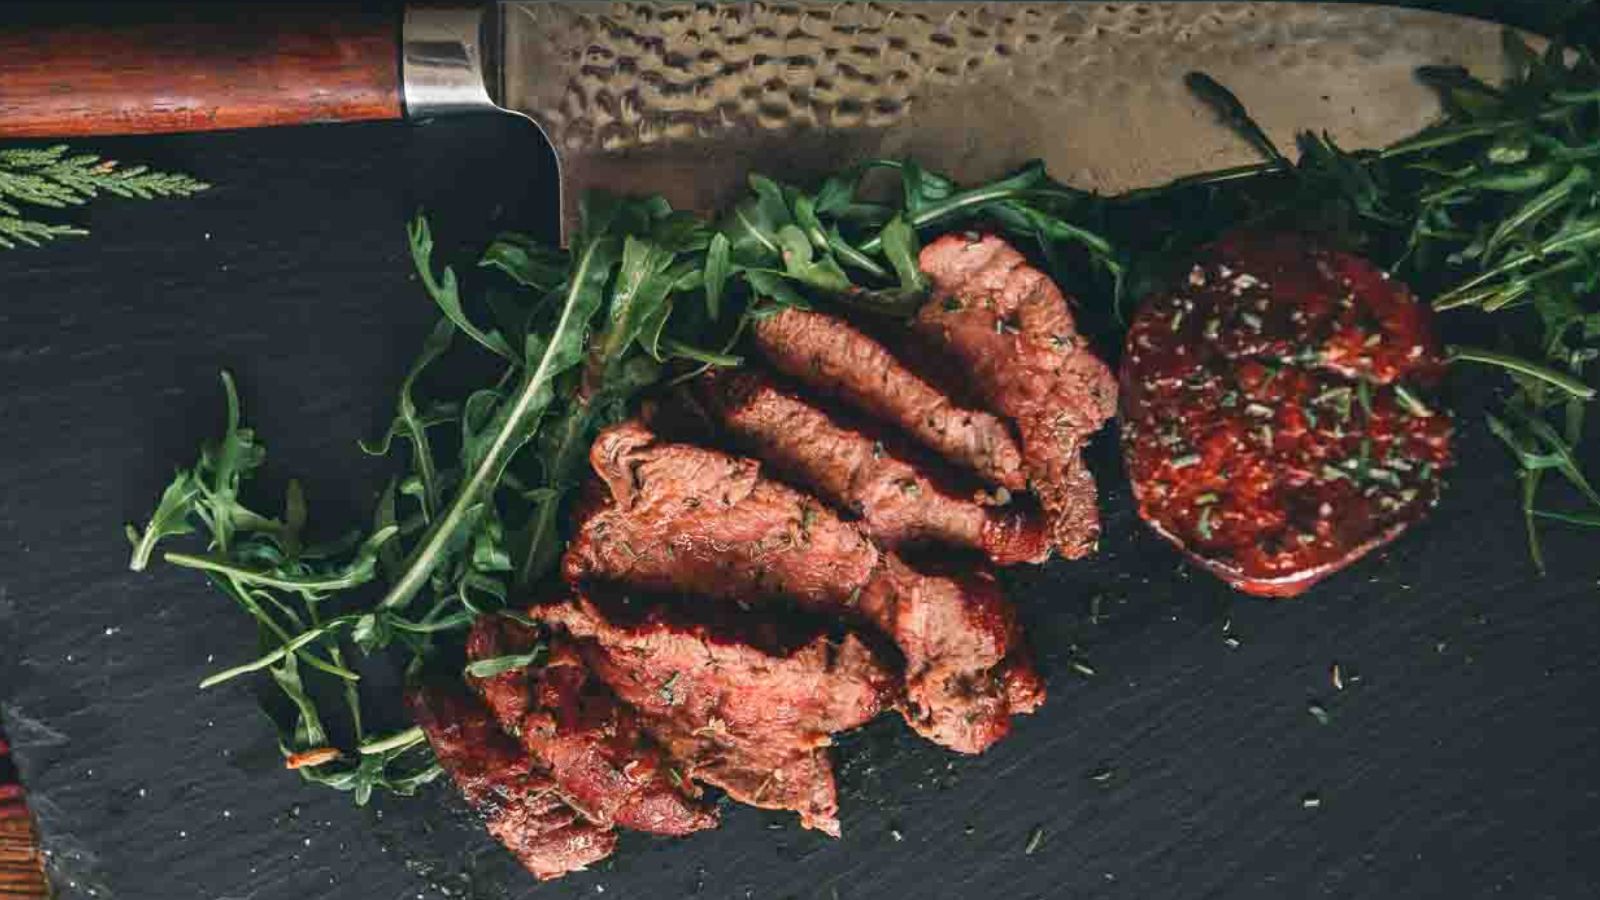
pixel 445 291
pixel 640 296
pixel 900 245
pixel 1232 113
pixel 413 426
pixel 171 519
pixel 515 421
pixel 223 464
pixel 719 266
pixel 526 261
pixel 499 665
pixel 312 585
pixel 752 225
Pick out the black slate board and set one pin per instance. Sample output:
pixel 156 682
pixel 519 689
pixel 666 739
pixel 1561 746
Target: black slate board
pixel 1462 764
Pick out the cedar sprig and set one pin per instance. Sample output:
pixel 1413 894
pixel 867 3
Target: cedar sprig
pixel 51 178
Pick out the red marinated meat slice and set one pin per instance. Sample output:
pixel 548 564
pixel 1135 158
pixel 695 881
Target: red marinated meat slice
pixel 593 747
pixel 693 520
pixel 837 359
pixel 519 805
pixel 1009 327
pixel 1274 421
pixel 740 707
pixel 900 498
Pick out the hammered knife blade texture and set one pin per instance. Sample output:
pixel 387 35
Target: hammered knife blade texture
pixel 686 98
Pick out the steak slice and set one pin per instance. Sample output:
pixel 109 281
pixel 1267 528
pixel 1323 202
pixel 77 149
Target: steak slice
pixel 593 747
pixel 679 517
pixel 1272 421
pixel 520 806
pixel 837 359
pixel 738 706
pixel 688 519
pixel 901 499
pixel 967 669
pixel 1008 325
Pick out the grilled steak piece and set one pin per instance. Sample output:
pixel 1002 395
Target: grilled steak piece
pixel 689 519
pixel 678 517
pixel 967 669
pixel 519 805
pixel 593 747
pixel 1273 424
pixel 900 498
pixel 1009 327
pixel 834 357
pixel 738 706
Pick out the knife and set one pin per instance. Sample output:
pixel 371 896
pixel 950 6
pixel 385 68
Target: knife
pixel 685 99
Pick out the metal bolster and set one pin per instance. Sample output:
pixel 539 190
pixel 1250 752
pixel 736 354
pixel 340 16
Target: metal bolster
pixel 445 60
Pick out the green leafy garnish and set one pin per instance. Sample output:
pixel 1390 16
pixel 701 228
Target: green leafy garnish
pixel 49 177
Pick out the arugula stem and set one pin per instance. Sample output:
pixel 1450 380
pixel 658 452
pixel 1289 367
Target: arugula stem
pixel 1204 179
pixel 855 258
pixel 299 641
pixel 1566 242
pixel 268 579
pixel 397 741
pixel 955 203
pixel 1521 366
pixel 1591 521
pixel 248 602
pixel 709 357
pixel 432 626
pixel 1530 489
pixel 540 552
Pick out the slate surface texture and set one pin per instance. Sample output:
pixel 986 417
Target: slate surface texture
pixel 1461 764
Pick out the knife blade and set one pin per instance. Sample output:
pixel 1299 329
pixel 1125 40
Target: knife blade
pixel 686 99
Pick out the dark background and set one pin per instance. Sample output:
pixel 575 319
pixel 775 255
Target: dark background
pixel 1463 763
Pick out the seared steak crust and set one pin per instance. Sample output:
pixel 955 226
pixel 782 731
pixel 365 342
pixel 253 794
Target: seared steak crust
pixel 686 518
pixel 901 498
pixel 738 708
pixel 593 747
pixel 1009 327
pixel 839 360
pixel 1273 424
pixel 519 805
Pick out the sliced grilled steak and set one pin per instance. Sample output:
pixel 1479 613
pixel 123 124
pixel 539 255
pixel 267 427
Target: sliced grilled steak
pixel 1009 327
pixel 592 746
pixel 1273 424
pixel 901 498
pixel 744 708
pixel 520 806
pixel 834 357
pixel 678 517
pixel 686 518
pixel 967 668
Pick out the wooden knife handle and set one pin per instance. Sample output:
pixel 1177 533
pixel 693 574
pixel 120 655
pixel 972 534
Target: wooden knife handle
pixel 196 68
pixel 21 863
